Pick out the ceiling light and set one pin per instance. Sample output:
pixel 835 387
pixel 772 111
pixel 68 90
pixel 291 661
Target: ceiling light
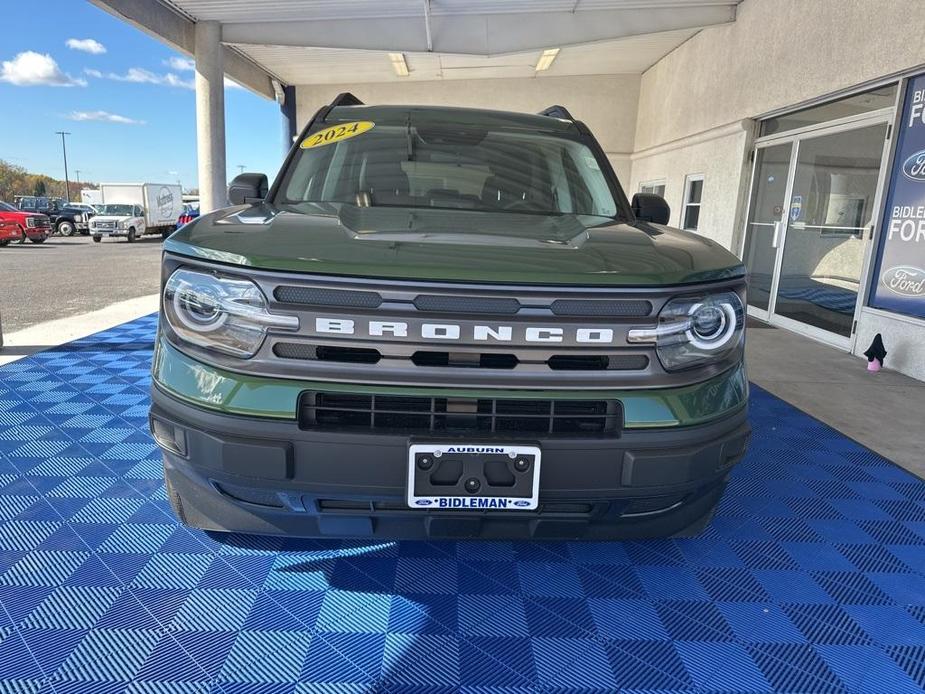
pixel 399 64
pixel 546 59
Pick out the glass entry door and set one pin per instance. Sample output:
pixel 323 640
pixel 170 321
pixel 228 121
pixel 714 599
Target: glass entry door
pixel 812 205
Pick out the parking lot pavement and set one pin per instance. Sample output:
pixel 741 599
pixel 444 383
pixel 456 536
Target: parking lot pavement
pixel 70 276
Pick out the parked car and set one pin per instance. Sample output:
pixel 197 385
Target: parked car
pixel 118 220
pixel 69 219
pixel 37 203
pixel 160 205
pixel 447 323
pixel 190 212
pixel 21 225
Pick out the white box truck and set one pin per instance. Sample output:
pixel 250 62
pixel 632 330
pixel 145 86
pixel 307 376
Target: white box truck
pixel 135 209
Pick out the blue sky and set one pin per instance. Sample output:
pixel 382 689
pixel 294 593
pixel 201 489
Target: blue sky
pixel 130 109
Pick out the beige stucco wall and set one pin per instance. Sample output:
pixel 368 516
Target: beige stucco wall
pixel 776 54
pixel 607 103
pixel 720 155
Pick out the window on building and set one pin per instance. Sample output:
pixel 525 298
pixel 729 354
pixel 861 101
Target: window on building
pixel 653 187
pixel 693 192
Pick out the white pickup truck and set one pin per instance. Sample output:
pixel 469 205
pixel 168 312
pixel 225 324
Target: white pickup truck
pixel 132 210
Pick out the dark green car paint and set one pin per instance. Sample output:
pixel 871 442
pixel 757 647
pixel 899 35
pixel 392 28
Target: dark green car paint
pixel 451 245
pixel 455 245
pixel 234 393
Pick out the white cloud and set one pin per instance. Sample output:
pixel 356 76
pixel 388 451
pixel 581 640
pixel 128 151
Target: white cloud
pixel 92 73
pixel 86 45
pixel 104 116
pixel 30 69
pixel 142 76
pixel 179 63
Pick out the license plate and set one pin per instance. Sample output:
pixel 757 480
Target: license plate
pixel 473 477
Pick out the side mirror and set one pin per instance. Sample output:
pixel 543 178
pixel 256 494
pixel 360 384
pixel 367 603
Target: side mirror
pixel 248 188
pixel 649 207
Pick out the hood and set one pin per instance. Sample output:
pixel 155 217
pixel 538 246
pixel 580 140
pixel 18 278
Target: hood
pixel 109 218
pixel 454 245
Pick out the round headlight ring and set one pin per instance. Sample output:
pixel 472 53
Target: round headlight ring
pixel 724 313
pixel 198 308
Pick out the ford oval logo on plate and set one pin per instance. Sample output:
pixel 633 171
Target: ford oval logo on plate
pixel 521 503
pixel 423 502
pixel 914 166
pixel 905 280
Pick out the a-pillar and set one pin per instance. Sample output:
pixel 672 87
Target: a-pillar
pixel 210 116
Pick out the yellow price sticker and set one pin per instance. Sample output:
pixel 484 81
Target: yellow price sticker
pixel 336 133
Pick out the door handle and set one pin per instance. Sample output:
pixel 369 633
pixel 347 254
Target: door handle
pixel 776 240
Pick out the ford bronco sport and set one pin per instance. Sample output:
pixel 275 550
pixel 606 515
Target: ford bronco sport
pixel 447 322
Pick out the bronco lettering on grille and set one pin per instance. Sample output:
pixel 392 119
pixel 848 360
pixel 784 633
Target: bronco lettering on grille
pixel 478 333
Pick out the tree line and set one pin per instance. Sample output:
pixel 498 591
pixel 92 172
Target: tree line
pixel 15 180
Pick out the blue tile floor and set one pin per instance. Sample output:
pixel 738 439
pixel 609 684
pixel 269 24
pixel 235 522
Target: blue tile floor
pixel 810 579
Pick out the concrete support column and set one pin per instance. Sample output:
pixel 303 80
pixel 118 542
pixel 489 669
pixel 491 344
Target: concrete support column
pixel 210 117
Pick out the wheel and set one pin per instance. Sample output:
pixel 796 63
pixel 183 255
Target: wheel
pixel 5 242
pixel 166 232
pixel 65 228
pixel 97 239
pixel 40 239
pixel 131 235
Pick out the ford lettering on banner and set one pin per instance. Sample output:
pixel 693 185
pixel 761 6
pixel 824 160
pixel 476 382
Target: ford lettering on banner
pixel 899 277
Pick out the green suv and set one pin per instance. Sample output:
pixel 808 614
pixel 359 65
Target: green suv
pixel 447 322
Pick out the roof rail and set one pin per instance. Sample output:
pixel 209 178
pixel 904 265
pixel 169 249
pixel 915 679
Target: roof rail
pixel 342 99
pixel 556 111
pixel 345 99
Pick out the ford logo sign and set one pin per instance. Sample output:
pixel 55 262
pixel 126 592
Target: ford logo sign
pixel 904 280
pixel 423 502
pixel 914 166
pixel 521 502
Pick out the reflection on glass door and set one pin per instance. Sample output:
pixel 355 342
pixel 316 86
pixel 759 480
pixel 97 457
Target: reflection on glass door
pixel 831 207
pixel 765 215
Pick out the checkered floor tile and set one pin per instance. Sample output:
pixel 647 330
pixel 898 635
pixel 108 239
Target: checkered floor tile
pixel 810 579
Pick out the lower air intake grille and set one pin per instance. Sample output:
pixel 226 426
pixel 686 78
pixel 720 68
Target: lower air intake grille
pixel 409 415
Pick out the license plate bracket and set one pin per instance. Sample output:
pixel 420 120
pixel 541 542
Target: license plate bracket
pixel 473 477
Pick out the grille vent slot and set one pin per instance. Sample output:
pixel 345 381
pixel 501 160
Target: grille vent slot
pixel 332 411
pixel 601 307
pixel 466 304
pixel 321 296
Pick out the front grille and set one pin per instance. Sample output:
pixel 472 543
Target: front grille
pixel 43 222
pixel 403 414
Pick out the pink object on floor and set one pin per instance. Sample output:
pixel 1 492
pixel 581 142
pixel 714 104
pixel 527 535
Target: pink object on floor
pixel 874 365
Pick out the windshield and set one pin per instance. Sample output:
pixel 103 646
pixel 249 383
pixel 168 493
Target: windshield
pixel 119 210
pixel 446 166
pixel 7 207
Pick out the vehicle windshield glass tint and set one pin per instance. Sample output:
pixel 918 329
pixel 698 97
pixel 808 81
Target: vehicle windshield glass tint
pixel 7 207
pixel 123 210
pixel 451 167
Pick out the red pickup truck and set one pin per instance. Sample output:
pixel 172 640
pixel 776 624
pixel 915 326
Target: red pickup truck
pixel 17 225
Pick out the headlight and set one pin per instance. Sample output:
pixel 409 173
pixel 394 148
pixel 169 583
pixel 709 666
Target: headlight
pixel 695 330
pixel 220 313
pixel 30 222
pixel 120 225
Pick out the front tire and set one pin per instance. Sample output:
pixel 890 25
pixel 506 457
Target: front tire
pixel 65 228
pixel 131 235
pixel 97 239
pixel 38 239
pixel 5 242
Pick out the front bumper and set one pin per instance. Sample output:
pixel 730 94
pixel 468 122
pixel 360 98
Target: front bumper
pixel 266 476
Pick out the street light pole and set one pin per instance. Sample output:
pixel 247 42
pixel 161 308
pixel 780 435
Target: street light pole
pixel 67 185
